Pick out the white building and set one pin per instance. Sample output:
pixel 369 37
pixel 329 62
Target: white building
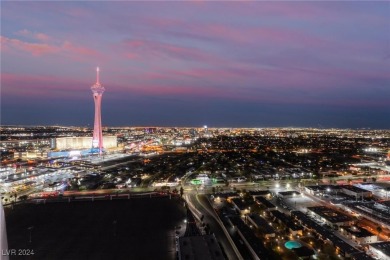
pixel 64 143
pixel 356 192
pixel 359 235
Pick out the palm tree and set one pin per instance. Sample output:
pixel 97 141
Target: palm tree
pixel 379 229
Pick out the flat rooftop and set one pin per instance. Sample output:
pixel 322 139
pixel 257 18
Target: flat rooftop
pixel 384 247
pixel 262 224
pixel 255 242
pixel 357 231
pixel 287 220
pixel 361 256
pixel 240 203
pixel 354 188
pixel 259 192
pixel 265 202
pixel 323 188
pixel 289 193
pixel 329 214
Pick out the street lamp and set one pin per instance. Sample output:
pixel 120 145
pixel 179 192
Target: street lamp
pixel 30 233
pixel 295 200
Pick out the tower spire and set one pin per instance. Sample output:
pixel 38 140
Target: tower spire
pixel 97 91
pixel 97 76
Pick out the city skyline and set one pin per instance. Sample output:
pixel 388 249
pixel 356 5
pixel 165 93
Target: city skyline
pixel 300 64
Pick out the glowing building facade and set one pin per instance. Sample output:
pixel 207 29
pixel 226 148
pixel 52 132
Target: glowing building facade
pixel 65 143
pixel 97 138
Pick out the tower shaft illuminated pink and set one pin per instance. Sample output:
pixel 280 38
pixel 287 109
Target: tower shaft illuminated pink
pixel 97 90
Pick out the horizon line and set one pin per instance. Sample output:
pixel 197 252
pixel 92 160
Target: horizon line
pixel 202 126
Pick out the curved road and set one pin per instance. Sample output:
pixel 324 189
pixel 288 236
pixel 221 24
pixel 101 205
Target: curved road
pixel 201 203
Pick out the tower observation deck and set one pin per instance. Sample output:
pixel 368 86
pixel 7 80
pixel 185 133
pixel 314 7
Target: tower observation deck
pixel 97 91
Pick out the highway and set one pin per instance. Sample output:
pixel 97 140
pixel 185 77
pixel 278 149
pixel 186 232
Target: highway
pixel 201 203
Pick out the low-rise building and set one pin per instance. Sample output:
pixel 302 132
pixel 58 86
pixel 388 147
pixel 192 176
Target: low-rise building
pixel 359 235
pixel 330 217
pixel 262 193
pixel 291 225
pixel 262 224
pixel 288 194
pixel 325 234
pixel 380 250
pixel 240 205
pixel 321 190
pixel 356 192
pixel 263 201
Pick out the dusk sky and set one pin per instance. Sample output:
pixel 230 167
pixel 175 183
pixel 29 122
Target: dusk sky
pixel 233 64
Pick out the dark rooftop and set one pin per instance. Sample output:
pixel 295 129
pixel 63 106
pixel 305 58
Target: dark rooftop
pixel 289 193
pixel 255 242
pixel 287 220
pixel 259 192
pixel 265 202
pixel 357 231
pixel 323 187
pixel 384 247
pixel 240 203
pixel 329 214
pixel 361 256
pixel 262 224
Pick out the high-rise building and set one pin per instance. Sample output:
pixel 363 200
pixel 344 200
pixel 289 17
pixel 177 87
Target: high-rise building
pixel 97 90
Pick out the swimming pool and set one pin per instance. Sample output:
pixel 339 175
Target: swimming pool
pixel 292 244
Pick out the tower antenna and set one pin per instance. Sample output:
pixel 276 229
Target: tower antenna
pixel 97 91
pixel 97 76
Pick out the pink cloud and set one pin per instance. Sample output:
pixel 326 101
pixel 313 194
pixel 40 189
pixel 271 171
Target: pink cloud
pixel 38 49
pixel 31 35
pixel 78 50
pixel 154 49
pixel 35 49
pixel 41 87
pixel 42 37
